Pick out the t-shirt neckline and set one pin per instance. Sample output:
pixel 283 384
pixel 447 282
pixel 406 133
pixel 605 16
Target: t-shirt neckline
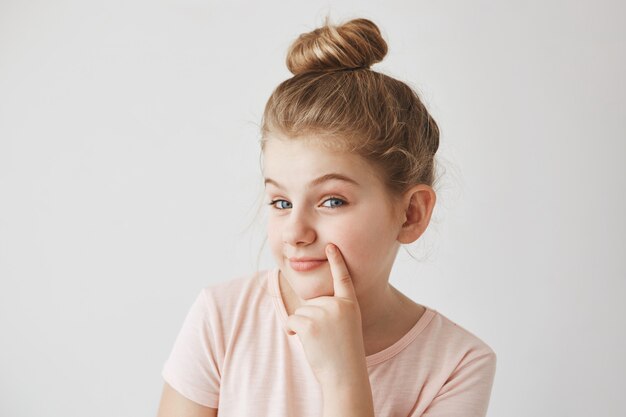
pixel 373 359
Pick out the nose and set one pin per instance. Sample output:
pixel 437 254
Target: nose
pixel 299 229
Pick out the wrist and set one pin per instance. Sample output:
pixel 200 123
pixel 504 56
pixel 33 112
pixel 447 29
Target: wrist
pixel 349 374
pixel 349 400
pixel 343 396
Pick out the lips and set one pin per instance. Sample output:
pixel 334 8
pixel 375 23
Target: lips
pixel 306 258
pixel 305 264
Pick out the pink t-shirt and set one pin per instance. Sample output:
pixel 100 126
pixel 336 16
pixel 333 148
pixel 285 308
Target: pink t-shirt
pixel 233 353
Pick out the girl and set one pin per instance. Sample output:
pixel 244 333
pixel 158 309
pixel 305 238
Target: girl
pixel 348 164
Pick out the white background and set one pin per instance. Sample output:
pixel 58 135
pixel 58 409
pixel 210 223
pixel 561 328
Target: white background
pixel 130 179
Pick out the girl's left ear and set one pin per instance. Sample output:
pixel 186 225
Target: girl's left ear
pixel 418 204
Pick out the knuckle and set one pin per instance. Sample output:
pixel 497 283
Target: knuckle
pixel 349 306
pixel 345 278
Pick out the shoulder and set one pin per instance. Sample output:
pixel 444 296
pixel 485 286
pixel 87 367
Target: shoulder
pixel 458 345
pixel 459 369
pixel 236 300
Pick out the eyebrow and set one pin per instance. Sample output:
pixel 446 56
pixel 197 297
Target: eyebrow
pixel 318 181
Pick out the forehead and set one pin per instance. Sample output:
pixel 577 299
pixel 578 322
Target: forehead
pixel 304 159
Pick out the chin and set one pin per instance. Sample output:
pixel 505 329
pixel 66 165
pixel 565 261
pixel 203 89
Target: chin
pixel 310 284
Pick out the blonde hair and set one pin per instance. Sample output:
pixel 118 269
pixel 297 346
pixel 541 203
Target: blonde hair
pixel 335 96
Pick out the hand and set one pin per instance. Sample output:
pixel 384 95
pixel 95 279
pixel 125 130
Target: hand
pixel 329 327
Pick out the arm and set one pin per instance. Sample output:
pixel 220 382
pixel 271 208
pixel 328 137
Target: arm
pixel 173 404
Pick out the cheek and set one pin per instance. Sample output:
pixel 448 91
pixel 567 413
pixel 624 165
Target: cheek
pixel 362 242
pixel 353 240
pixel 273 236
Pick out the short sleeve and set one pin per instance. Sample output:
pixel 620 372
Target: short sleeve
pixel 193 366
pixel 467 391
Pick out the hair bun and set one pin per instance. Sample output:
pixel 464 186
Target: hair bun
pixel 354 44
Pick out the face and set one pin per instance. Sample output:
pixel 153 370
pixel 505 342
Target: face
pixel 306 215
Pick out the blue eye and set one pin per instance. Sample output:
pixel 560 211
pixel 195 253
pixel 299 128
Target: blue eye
pixel 272 203
pixel 335 199
pixel 332 206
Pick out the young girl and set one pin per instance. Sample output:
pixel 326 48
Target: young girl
pixel 348 164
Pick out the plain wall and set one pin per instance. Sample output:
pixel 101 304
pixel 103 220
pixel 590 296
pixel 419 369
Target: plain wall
pixel 130 179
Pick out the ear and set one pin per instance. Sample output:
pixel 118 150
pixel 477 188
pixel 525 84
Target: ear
pixel 417 204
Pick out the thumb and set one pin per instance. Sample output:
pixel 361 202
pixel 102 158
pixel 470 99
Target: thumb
pixel 342 281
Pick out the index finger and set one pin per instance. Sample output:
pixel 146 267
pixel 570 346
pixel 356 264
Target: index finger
pixel 342 281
